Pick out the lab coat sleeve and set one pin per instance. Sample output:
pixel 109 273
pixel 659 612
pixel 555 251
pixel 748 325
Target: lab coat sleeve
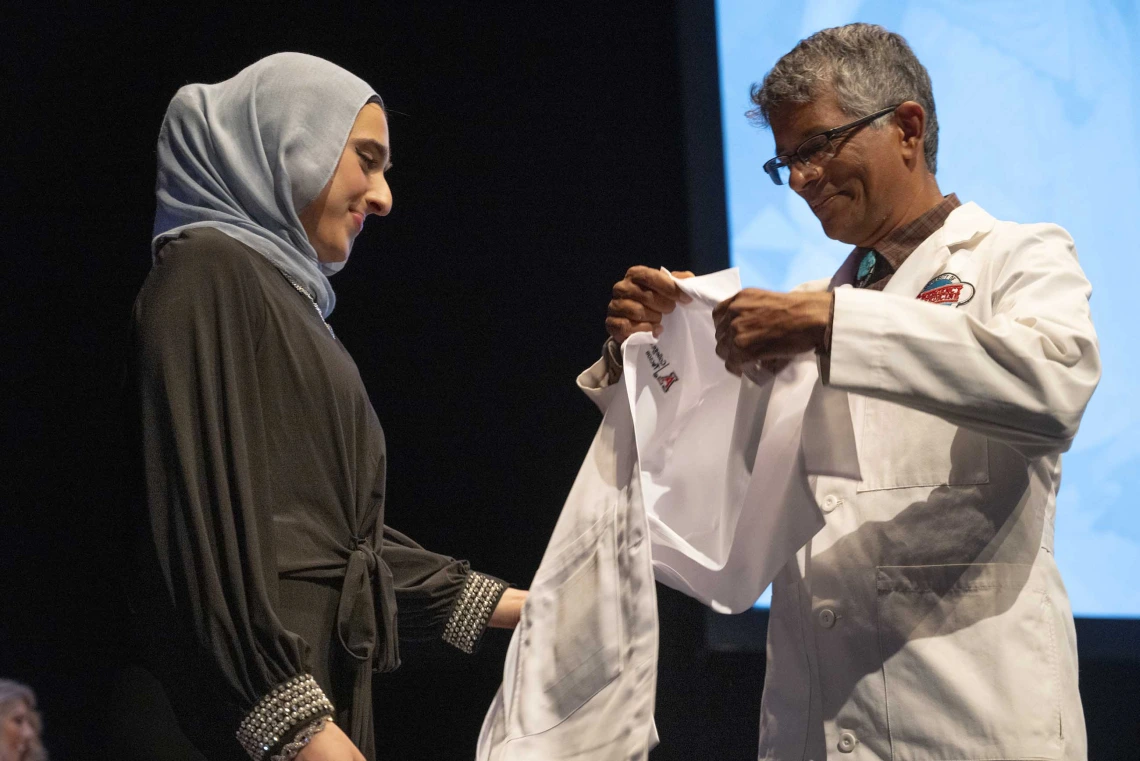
pixel 1023 376
pixel 595 383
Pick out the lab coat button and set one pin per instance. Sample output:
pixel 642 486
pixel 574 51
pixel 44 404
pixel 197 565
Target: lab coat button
pixel 827 618
pixel 830 502
pixel 847 742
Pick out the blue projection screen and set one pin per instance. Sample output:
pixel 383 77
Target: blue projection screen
pixel 1039 111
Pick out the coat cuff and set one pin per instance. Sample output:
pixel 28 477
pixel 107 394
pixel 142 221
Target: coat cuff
pixel 860 321
pixel 824 350
pixel 472 611
pixel 601 381
pixel 283 714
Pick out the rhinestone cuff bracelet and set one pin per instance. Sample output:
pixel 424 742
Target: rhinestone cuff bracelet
pixel 472 611
pixel 277 716
pixel 304 737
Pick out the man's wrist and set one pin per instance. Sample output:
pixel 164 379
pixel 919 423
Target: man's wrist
pixel 826 318
pixel 611 352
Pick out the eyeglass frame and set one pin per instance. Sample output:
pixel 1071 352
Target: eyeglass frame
pixel 772 166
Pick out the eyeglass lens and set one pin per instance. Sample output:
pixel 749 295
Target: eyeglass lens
pixel 814 152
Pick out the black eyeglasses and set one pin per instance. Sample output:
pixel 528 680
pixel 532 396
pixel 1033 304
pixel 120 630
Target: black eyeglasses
pixel 816 149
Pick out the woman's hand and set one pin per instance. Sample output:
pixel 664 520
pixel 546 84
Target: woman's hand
pixel 507 612
pixel 330 744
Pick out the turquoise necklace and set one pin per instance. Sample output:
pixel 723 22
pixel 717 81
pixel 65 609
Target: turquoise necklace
pixel 866 267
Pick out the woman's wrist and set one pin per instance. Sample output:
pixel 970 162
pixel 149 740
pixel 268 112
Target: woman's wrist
pixel 293 748
pixel 509 609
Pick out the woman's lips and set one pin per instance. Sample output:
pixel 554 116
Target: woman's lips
pixel 358 218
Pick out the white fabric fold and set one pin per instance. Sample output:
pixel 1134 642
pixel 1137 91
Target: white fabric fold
pixel 689 456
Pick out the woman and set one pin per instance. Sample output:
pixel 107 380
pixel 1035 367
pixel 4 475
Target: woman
pixel 19 723
pixel 270 587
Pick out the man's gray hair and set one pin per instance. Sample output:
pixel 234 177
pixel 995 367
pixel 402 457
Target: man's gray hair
pixel 869 68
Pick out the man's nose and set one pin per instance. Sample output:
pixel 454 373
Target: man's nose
pixel 800 174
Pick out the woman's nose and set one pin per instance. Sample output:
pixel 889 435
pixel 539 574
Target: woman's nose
pixel 379 197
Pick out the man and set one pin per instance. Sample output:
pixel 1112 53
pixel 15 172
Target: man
pixel 927 618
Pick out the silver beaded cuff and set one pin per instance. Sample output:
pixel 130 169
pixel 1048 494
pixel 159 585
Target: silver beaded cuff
pixel 277 716
pixel 472 611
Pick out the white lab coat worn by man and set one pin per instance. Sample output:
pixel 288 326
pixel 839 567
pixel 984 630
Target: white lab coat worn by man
pixel 927 618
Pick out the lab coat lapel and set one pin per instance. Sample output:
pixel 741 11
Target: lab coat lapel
pixel 829 436
pixel 930 259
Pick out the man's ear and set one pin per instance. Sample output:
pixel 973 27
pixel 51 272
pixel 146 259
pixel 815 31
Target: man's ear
pixel 910 118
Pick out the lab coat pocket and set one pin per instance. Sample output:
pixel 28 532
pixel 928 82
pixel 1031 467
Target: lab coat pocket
pixel 902 448
pixel 570 633
pixel 970 662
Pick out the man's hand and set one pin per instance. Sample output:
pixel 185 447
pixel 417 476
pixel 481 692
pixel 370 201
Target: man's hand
pixel 756 325
pixel 330 744
pixel 507 612
pixel 639 300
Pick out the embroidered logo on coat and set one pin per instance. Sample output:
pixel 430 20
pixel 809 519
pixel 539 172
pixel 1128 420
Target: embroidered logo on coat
pixel 947 290
pixel 658 362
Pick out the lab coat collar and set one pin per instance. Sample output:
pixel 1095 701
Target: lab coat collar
pixel 828 443
pixel 964 225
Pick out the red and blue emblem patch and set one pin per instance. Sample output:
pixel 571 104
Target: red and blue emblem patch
pixel 658 363
pixel 947 290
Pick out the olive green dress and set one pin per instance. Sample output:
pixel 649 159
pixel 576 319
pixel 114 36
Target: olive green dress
pixel 261 547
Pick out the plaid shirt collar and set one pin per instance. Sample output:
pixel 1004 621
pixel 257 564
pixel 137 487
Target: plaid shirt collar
pixel 901 243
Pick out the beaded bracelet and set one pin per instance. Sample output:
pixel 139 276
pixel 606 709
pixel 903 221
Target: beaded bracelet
pixel 277 716
pixel 291 749
pixel 472 611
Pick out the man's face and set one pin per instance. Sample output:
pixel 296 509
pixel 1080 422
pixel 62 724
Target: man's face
pixel 854 192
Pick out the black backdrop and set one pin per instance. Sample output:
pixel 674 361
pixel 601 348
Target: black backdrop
pixel 539 150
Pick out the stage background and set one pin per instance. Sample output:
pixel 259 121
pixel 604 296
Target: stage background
pixel 539 149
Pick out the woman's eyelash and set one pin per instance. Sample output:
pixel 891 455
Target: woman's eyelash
pixel 368 160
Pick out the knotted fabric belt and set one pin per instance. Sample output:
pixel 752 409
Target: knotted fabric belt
pixel 370 640
pixel 366 634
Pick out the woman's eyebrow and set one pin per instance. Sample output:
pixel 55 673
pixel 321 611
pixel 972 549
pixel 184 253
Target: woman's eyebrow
pixel 381 150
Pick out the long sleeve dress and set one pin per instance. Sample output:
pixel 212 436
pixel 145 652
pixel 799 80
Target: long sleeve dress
pixel 262 551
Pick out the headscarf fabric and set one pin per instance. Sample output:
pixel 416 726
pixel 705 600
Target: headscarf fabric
pixel 246 155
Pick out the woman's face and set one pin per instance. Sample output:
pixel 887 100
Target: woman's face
pixel 357 188
pixel 17 731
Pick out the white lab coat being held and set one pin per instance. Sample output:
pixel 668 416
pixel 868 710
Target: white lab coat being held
pixel 581 672
pixel 905 509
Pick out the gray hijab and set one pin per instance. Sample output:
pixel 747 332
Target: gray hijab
pixel 247 154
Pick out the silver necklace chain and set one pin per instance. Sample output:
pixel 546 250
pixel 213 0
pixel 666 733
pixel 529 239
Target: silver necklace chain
pixel 304 291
